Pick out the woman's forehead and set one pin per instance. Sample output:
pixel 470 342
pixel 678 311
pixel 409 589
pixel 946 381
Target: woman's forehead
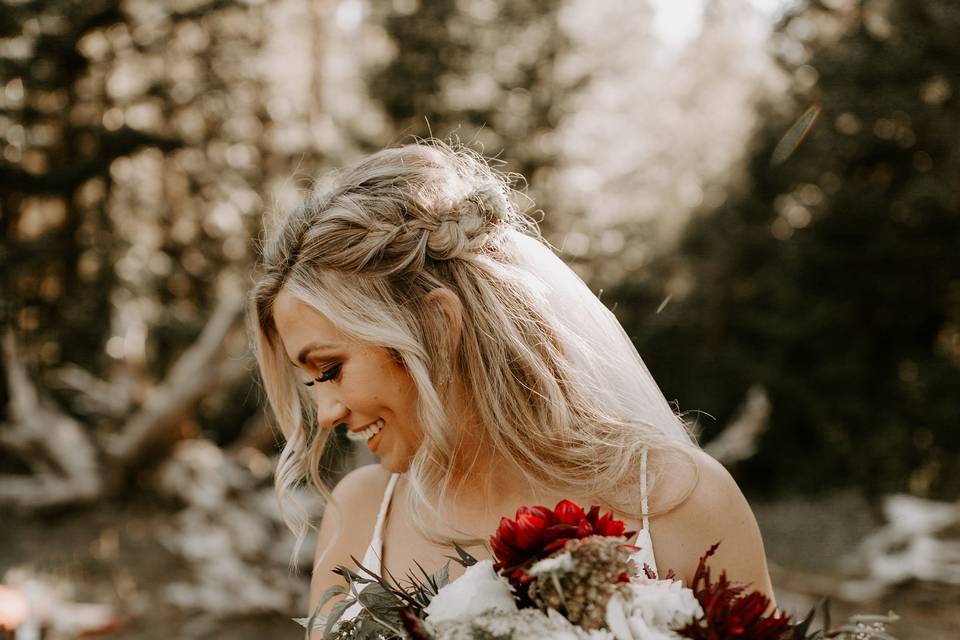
pixel 302 328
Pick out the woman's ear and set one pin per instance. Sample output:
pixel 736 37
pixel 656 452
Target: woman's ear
pixel 449 305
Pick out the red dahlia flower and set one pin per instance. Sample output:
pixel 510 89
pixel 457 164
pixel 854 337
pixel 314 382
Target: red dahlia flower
pixel 728 613
pixel 536 532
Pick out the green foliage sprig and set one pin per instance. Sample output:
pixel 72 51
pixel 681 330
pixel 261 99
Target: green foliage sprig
pixel 383 600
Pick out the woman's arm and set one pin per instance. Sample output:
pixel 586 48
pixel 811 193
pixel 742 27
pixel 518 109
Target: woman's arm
pixel 346 532
pixel 716 511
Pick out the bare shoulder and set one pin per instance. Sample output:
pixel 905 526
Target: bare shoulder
pixel 347 525
pixel 363 484
pixel 714 510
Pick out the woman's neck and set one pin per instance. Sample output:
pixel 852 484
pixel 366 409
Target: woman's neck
pixel 484 482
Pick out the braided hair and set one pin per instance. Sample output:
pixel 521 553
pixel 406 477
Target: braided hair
pixel 364 249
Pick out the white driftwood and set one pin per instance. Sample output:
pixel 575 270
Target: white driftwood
pixel 94 396
pixel 921 541
pixel 53 608
pixel 230 534
pixel 738 441
pixel 62 458
pixel 67 466
pixel 915 544
pixel 194 373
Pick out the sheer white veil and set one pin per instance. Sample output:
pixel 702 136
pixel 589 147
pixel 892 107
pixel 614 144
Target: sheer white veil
pixel 600 350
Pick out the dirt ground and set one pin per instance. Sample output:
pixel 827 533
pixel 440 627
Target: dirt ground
pixel 109 552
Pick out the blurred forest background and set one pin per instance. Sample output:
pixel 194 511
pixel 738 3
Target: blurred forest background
pixel 792 281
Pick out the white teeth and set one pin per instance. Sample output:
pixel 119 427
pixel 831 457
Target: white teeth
pixel 366 434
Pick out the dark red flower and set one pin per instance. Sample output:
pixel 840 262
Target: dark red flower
pixel 536 532
pixel 729 613
pixel 568 512
pixel 413 625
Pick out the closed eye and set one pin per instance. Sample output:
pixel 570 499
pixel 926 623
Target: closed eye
pixel 328 374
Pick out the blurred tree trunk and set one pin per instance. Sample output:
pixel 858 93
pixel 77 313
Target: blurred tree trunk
pixel 484 72
pixel 136 139
pixel 48 157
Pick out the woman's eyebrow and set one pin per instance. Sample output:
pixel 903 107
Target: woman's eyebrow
pixel 313 346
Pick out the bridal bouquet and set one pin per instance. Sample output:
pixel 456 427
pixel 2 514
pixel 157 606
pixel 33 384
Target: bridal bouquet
pixel 567 574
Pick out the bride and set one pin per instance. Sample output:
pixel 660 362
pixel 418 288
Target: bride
pixel 409 302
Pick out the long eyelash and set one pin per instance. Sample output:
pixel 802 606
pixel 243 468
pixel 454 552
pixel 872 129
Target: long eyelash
pixel 329 374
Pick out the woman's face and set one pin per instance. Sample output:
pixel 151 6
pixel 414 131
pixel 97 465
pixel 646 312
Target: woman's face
pixel 352 382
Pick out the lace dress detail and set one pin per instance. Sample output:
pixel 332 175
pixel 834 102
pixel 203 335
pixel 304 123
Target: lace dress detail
pixel 372 558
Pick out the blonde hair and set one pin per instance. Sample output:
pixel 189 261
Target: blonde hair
pixel 365 249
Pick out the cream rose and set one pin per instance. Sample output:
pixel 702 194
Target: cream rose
pixel 479 589
pixel 652 610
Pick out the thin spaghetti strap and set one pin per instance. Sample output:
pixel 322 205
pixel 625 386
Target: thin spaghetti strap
pixel 373 558
pixel 643 490
pixel 384 507
pixel 644 558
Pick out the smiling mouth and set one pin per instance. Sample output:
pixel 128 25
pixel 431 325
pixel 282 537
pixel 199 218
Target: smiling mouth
pixel 365 434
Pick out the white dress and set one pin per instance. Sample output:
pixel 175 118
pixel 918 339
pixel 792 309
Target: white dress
pixel 371 558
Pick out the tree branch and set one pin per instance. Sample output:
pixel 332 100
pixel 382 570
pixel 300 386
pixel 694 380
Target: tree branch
pixel 54 445
pixel 193 374
pixel 738 440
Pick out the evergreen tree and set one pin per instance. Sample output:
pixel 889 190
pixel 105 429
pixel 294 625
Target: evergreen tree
pixel 135 140
pixel 833 278
pixel 483 71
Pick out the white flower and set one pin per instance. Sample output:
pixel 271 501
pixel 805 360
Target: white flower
pixel 562 563
pixel 524 624
pixel 652 610
pixel 479 589
pixel 664 603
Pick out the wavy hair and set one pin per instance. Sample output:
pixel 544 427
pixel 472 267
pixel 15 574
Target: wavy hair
pixel 364 249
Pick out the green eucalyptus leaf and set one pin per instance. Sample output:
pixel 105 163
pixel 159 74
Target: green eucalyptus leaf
pixel 305 622
pixel 352 576
pixel 334 616
pixel 317 620
pixel 442 577
pixel 370 628
pixel 379 601
pixel 333 591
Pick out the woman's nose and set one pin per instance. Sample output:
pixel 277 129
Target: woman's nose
pixel 330 412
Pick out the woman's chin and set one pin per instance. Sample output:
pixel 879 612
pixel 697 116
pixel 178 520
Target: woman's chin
pixel 395 464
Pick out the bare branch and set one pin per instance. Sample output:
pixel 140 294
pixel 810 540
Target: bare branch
pixel 96 396
pixel 55 446
pixel 41 492
pixel 193 374
pixel 738 441
pixel 23 397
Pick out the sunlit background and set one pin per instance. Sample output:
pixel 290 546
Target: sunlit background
pixel 766 192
